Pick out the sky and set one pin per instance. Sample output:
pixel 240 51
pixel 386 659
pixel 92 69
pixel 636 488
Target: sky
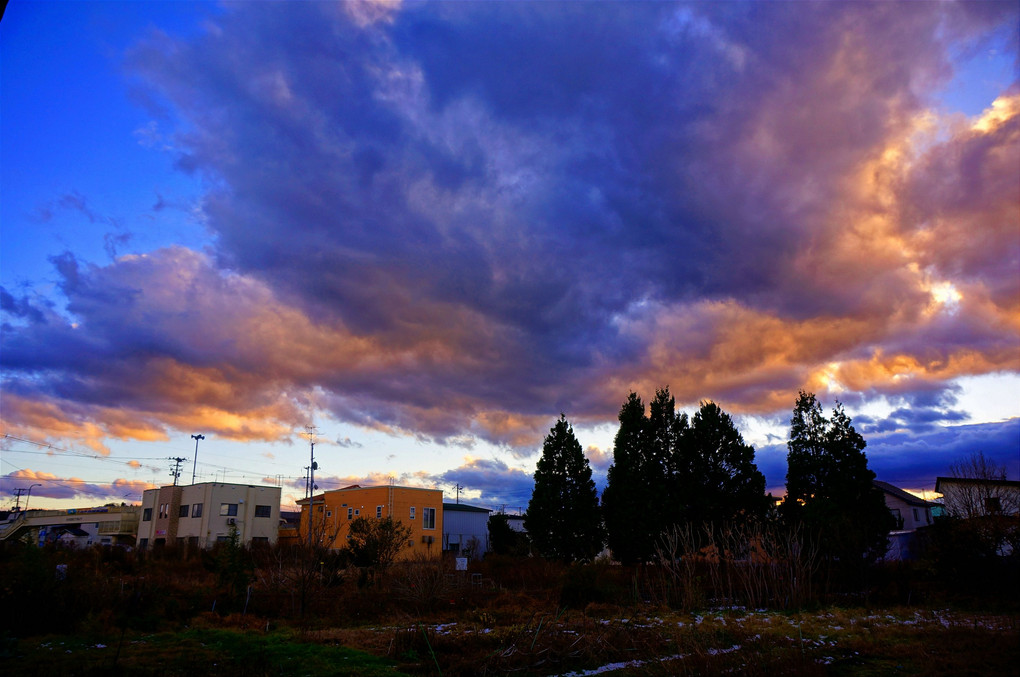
pixel 417 233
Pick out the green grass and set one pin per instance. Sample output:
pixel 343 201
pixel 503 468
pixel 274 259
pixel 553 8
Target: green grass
pixel 206 651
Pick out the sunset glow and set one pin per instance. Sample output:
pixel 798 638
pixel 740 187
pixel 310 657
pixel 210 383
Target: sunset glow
pixel 428 229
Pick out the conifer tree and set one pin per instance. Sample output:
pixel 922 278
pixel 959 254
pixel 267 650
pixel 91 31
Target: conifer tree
pixel 563 518
pixel 829 487
pixel 626 505
pixel 723 484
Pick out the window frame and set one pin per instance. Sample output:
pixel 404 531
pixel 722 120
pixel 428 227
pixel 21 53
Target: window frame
pixel 265 511
pixel 228 509
pixel 428 518
pixel 196 509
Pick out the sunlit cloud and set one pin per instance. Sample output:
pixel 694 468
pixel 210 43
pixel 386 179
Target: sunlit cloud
pixel 459 221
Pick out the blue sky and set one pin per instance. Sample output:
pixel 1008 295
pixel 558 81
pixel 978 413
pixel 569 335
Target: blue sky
pixel 428 229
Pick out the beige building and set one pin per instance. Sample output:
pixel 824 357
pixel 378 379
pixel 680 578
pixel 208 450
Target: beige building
pixel 204 514
pixel 419 509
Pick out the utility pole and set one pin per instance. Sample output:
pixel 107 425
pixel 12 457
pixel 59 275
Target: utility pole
pixel 312 467
pixel 459 487
pixel 17 499
pixel 194 465
pixel 175 470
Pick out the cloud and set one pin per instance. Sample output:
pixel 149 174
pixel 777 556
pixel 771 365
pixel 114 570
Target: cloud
pixel 496 484
pixel 455 221
pixel 55 487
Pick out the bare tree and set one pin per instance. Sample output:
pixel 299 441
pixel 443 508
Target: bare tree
pixel 977 486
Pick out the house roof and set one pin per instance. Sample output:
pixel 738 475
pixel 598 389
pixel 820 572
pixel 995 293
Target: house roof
pixel 357 487
pixel 904 496
pixel 973 481
pixel 463 507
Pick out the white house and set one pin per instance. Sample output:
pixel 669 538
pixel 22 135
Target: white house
pixel 968 497
pixel 911 512
pixel 465 529
pixel 203 514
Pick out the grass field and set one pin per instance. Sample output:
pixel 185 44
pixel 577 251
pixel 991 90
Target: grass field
pixel 287 612
pixel 599 640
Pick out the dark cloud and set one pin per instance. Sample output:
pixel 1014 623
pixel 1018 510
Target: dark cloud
pixel 455 220
pixel 500 486
pixel 912 459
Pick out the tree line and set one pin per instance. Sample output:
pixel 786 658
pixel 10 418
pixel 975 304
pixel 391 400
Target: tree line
pixel 671 472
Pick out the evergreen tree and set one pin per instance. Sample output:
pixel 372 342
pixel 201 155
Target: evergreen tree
pixel 829 487
pixel 626 505
pixel 723 483
pixel 563 518
pixel 666 430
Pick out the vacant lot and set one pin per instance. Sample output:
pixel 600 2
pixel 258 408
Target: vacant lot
pixel 598 640
pixel 286 612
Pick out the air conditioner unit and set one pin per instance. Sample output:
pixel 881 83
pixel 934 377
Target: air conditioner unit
pixel 231 520
pixel 427 539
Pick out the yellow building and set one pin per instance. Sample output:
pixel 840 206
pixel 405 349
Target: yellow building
pixel 419 509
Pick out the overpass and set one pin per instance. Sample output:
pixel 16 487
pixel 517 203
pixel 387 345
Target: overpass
pixel 84 526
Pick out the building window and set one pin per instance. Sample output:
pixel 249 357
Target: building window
pixel 378 511
pixel 264 511
pixel 147 515
pixel 428 518
pixel 993 505
pixel 329 513
pixel 184 511
pixel 917 517
pixel 223 539
pixel 412 512
pixel 143 543
pixel 357 512
pixel 260 540
pixel 164 509
pixel 196 510
pixel 350 513
pixel 228 509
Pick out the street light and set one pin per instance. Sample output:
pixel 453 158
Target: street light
pixel 30 495
pixel 194 465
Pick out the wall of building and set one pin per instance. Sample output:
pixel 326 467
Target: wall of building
pixel 464 525
pixel 203 514
pixel 419 509
pixel 909 516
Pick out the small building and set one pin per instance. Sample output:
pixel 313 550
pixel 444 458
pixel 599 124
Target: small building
pixel 200 515
pixel 516 523
pixel 465 529
pixel 414 507
pixel 968 497
pixel 911 512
